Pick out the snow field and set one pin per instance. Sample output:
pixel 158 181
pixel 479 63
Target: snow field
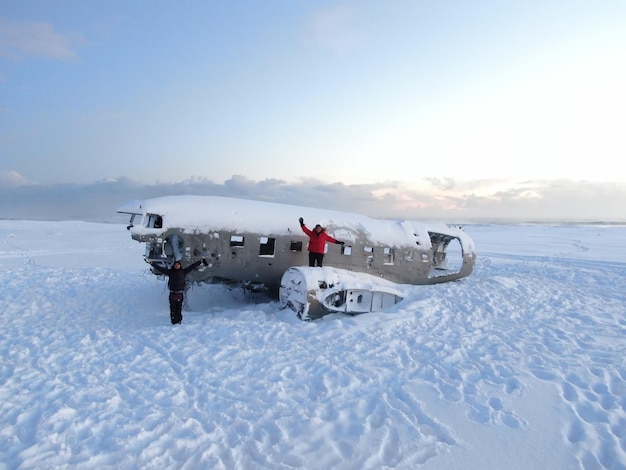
pixel 521 365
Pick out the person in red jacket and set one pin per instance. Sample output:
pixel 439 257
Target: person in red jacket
pixel 317 242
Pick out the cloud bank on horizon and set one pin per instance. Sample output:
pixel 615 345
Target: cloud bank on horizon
pixel 474 110
pixel 435 199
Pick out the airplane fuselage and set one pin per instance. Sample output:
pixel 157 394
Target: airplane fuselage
pixel 255 242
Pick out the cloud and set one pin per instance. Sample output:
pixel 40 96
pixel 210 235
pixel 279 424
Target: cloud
pixel 335 28
pixel 452 202
pixel 19 39
pixel 441 183
pixel 550 200
pixel 12 179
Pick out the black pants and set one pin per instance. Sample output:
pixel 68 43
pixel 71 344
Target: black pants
pixel 176 307
pixel 315 258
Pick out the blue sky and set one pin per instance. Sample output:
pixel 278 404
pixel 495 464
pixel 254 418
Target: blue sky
pixel 470 98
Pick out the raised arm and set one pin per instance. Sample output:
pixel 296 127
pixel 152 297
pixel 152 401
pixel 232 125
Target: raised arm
pixel 304 228
pixel 161 269
pixel 193 266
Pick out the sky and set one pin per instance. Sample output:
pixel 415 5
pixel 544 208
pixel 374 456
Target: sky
pixel 520 366
pixel 411 100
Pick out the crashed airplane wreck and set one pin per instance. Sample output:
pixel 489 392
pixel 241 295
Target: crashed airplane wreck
pixel 260 246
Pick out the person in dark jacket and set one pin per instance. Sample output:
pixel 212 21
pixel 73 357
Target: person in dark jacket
pixel 176 284
pixel 317 242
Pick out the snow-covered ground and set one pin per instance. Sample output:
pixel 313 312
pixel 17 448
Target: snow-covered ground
pixel 522 365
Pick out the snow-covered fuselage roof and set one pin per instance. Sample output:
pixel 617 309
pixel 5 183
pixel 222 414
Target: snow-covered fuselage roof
pixel 204 214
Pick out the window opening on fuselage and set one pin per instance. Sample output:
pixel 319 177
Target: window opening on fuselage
pixel 369 257
pixel 295 246
pixel 388 255
pixel 236 240
pixel 267 246
pixel 154 221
